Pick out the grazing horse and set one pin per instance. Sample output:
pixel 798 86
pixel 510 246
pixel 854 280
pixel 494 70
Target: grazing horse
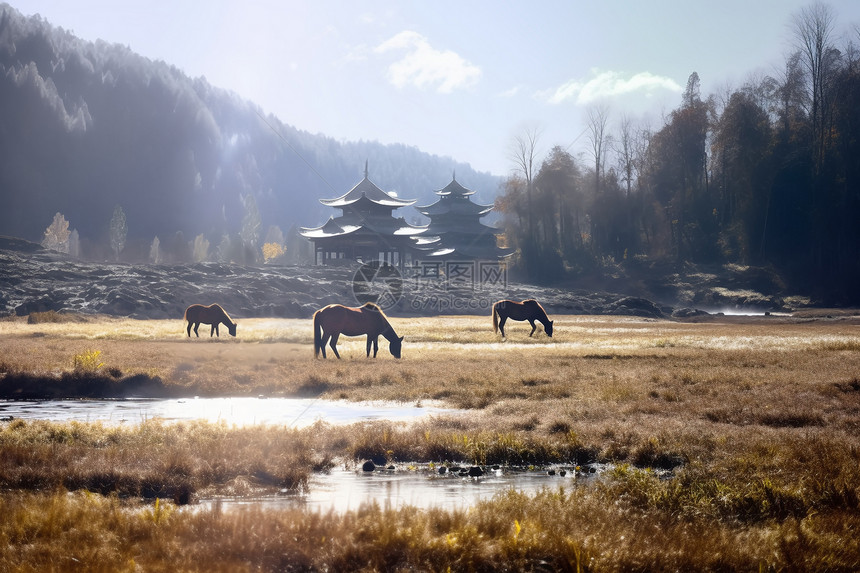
pixel 212 314
pixel 336 319
pixel 529 310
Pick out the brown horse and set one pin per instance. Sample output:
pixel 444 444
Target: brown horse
pixel 529 310
pixel 336 319
pixel 212 314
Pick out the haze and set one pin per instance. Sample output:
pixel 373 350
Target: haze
pixel 454 79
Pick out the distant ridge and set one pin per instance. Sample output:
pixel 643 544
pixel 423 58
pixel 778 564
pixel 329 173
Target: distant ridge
pixel 86 126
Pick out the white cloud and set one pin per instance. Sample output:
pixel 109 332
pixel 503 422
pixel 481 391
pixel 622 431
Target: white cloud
pixel 423 66
pixel 512 92
pixel 604 84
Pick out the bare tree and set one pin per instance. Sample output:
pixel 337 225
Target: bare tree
pixel 813 27
pixel 155 251
pixel 251 224
pixel 598 117
pixel 523 153
pixel 118 231
pixel 626 152
pixel 74 244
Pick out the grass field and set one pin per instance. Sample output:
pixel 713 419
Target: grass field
pixel 734 442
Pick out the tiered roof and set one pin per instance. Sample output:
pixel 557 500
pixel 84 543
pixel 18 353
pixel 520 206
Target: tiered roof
pixel 366 209
pixel 455 229
pixel 366 227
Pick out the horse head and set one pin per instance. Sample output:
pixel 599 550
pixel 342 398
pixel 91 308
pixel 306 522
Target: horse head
pixel 395 345
pixel 548 329
pixel 232 329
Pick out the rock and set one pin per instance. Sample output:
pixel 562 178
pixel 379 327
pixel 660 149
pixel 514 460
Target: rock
pixel 368 466
pixel 687 313
pixel 37 280
pixel 475 471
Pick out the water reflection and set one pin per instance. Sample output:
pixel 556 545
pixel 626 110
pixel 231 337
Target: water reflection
pixel 293 412
pixel 339 490
pixel 344 490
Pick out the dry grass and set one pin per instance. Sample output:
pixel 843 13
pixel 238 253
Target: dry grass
pixel 758 421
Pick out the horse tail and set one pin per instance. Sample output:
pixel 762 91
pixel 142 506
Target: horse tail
pixel 317 334
pixel 495 318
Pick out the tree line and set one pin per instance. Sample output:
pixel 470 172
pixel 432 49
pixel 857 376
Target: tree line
pixel 767 174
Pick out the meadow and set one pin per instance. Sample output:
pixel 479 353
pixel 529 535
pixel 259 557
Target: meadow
pixel 733 445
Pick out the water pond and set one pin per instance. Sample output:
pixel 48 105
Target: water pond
pixel 243 411
pixel 424 487
pixel 341 489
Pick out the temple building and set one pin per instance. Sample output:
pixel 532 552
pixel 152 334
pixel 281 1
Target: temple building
pixel 455 230
pixel 366 230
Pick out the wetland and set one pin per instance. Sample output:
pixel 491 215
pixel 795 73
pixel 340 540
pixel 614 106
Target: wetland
pixel 728 442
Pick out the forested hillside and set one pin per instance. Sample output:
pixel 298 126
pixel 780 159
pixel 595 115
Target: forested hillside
pixel 86 127
pixel 766 173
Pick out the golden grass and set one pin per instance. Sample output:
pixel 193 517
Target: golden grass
pixel 757 422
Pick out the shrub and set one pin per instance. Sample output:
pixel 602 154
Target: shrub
pixel 88 361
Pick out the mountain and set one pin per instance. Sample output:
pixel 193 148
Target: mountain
pixel 88 126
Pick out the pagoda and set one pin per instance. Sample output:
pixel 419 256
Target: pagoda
pixel 455 230
pixel 366 230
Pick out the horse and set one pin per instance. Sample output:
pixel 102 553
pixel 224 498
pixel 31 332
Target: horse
pixel 212 314
pixel 336 319
pixel 529 310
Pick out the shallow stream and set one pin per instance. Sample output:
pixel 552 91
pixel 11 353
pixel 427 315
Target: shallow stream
pixel 341 489
pixel 347 489
pixel 293 412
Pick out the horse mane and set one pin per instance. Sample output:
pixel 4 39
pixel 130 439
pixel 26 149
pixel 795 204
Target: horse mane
pixel 535 302
pixel 376 308
pixel 227 316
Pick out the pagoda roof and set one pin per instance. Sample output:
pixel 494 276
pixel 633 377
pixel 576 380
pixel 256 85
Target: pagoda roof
pixel 465 207
pixel 367 189
pixel 438 227
pixel 338 227
pixel 461 253
pixel 455 189
pixel 331 228
pixel 425 240
pixel 409 230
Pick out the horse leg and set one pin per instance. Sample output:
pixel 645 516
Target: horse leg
pixel 213 329
pixel 375 346
pixel 196 326
pixel 534 327
pixel 333 344
pixel 189 329
pixel 369 343
pixel 502 322
pixel 323 342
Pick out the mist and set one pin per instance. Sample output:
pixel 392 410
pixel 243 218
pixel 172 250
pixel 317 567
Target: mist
pixel 89 126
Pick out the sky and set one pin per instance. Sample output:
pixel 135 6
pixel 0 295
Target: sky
pixel 454 78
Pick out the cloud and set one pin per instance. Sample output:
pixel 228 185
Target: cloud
pixel 604 84
pixel 512 92
pixel 425 67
